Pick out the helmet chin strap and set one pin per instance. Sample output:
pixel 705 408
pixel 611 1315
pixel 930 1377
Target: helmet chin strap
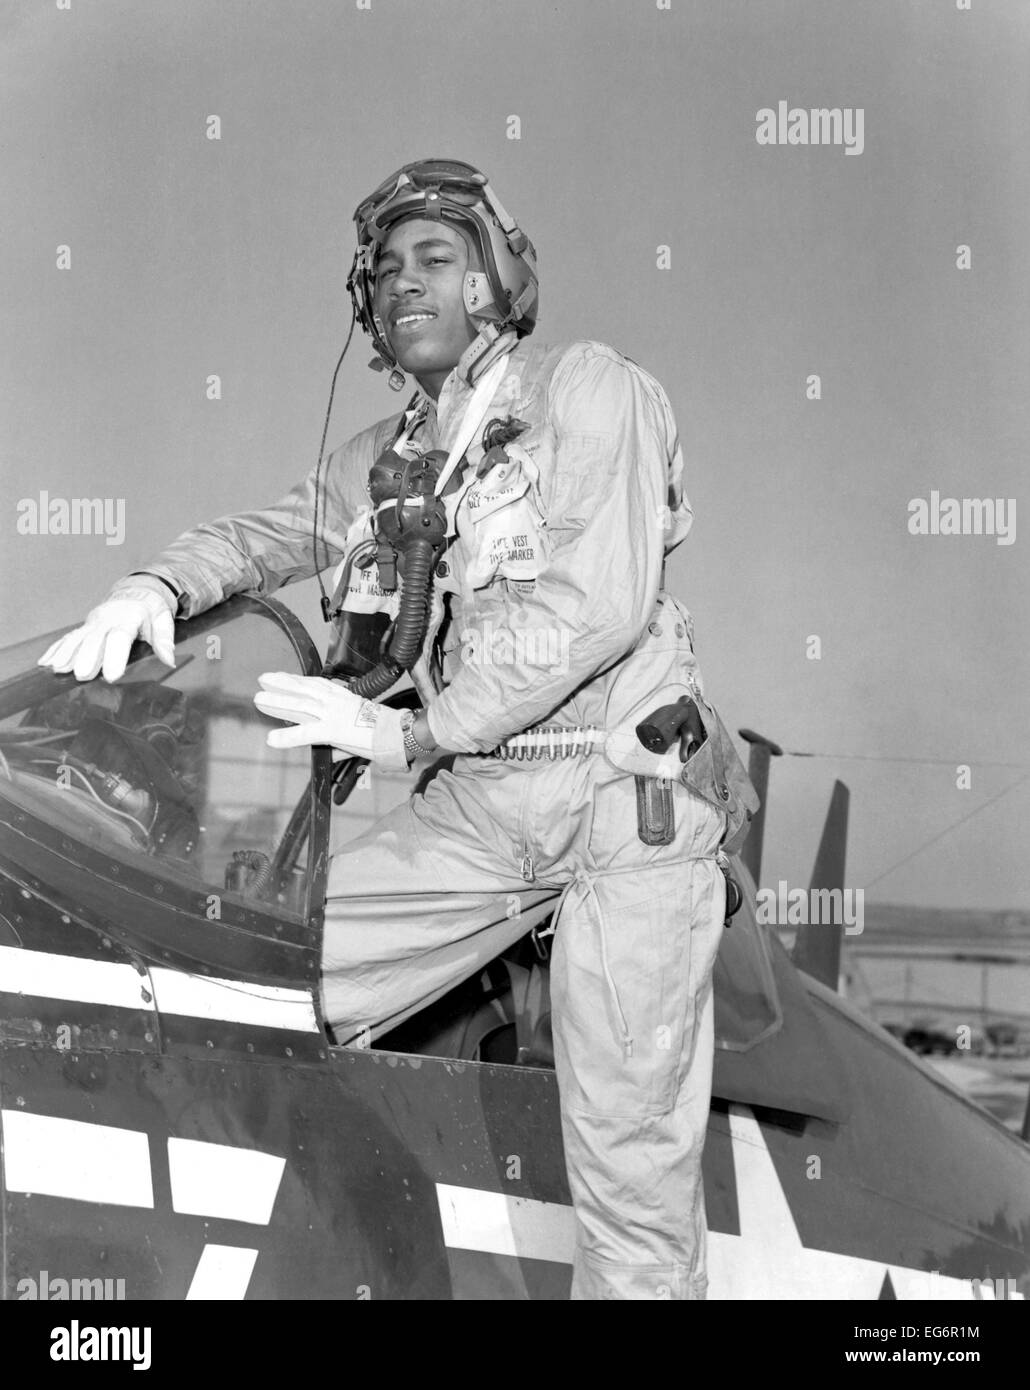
pixel 479 355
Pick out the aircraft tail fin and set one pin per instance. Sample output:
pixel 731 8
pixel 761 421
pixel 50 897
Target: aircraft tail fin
pixel 762 749
pixel 817 946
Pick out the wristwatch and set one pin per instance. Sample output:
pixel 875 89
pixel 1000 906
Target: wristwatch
pixel 412 748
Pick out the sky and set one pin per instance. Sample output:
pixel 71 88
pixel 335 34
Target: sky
pixel 637 131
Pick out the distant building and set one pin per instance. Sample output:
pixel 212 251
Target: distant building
pixel 943 968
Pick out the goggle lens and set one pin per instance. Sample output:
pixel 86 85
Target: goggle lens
pixel 447 175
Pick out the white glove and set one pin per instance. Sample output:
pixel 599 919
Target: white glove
pixel 327 712
pixel 135 607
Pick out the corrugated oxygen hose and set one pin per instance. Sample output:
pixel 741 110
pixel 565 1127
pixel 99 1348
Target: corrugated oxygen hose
pixel 410 624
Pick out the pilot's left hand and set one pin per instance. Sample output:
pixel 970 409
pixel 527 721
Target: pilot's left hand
pixel 327 712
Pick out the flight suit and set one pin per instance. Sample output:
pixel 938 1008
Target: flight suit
pixel 548 609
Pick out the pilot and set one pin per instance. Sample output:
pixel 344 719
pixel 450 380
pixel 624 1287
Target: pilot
pixel 544 638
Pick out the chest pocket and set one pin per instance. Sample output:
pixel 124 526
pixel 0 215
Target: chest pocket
pixel 506 528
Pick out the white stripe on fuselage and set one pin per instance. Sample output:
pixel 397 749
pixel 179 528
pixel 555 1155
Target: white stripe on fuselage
pixel 223 1272
pixel 52 1157
pixel 223 1181
pixel 473 1219
pixel 44 975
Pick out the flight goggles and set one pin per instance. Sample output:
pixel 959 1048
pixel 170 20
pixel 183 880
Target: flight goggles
pixel 427 188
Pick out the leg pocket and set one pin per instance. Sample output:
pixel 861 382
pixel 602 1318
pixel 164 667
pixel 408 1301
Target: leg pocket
pixel 657 933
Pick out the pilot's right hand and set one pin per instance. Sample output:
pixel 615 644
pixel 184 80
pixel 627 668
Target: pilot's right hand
pixel 139 606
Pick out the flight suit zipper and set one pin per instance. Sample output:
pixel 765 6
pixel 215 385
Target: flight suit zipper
pixel 526 862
